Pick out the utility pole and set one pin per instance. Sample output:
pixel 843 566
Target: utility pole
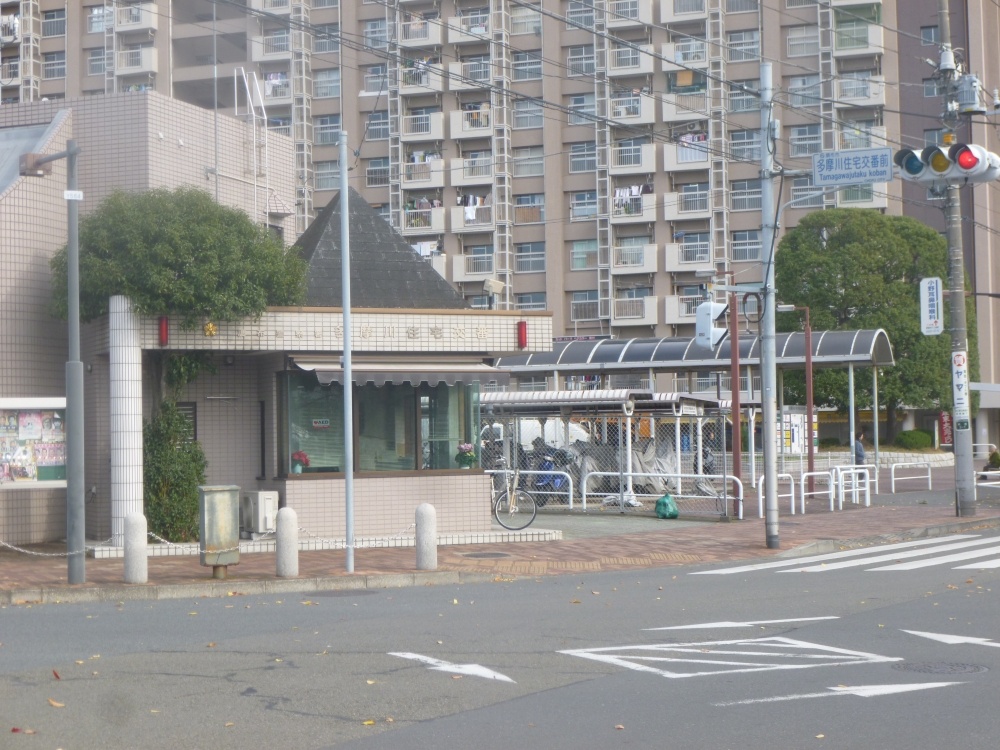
pixel 768 354
pixel 965 482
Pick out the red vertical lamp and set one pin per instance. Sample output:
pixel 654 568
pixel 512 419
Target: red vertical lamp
pixel 164 330
pixel 522 334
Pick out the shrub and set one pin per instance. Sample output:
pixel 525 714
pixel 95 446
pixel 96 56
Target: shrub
pixel 914 439
pixel 829 442
pixel 173 467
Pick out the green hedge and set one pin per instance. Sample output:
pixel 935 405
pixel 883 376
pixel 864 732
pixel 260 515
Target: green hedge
pixel 914 439
pixel 173 467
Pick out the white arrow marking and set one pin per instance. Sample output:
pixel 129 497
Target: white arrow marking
pixel 741 624
pixel 952 640
pixel 862 691
pixel 473 670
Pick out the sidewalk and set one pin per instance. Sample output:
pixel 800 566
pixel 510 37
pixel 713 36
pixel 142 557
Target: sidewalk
pixel 592 542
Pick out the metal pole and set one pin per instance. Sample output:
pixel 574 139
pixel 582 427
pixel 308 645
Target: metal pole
pixel 734 388
pixel 76 534
pixel 345 301
pixel 768 354
pixel 810 406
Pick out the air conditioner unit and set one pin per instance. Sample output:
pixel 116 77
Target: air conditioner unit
pixel 258 511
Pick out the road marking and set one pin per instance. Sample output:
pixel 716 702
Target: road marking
pixel 952 640
pixel 742 624
pixel 832 555
pixel 979 566
pixel 700 659
pixel 862 691
pixel 472 670
pixel 894 556
pixel 941 560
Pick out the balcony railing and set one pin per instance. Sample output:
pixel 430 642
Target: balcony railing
pixel 630 307
pixel 693 202
pixel 690 51
pixel 629 105
pixel 746 250
pixel 689 6
pixel 377 177
pixel 475 119
pixel 744 200
pixel 695 252
pixel 478 167
pixel 629 256
pixel 584 310
pixel 416 124
pixel 533 262
pixel 479 264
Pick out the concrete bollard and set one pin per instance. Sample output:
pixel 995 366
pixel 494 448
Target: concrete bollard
pixel 426 537
pixel 286 544
pixel 136 549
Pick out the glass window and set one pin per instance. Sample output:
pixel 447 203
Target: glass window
pixel 581 13
pixel 741 6
pixel 530 301
pixel 805 193
pixel 96 18
pixel 527 114
pixel 583 157
pixel 378 126
pixel 327 175
pixel 529 257
pixel 746 245
pixel 529 161
pixel 315 419
pixel 803 40
pixel 326 38
pixel 741 98
pixel 584 305
pixel 377 172
pixel 387 433
pixel 54 22
pixel 326 3
pixel 583 205
pixel 743 46
pixel 54 65
pixel 932 88
pixel 326 83
pixel 804 91
pixel 745 145
pixel 529 208
pixel 326 131
pixel 525 20
pixel 376 35
pixel 580 60
pixel 583 255
pixel 376 80
pixel 95 62
pixel 581 106
pixel 526 66
pixel 805 140
pixel 930 35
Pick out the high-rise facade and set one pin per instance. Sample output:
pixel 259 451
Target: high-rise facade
pixel 596 158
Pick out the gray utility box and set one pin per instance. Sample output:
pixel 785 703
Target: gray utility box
pixel 219 524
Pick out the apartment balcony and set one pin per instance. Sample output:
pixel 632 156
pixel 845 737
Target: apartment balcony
pixel 468 29
pixel 472 267
pixel 426 174
pixel 472 219
pixel 634 209
pixel 270 48
pixel 848 137
pixel 634 311
pixel 687 257
pixel 687 52
pixel 468 76
pixel 421 79
pixel 858 40
pixel 860 92
pixel 584 309
pixel 10 73
pixel 639 159
pixel 675 11
pixel 683 107
pixel 633 109
pixel 679 310
pixel 416 34
pixel 138 17
pixel 132 62
pixel 849 3
pixel 685 156
pixel 690 206
pixel 423 221
pixel 625 14
pixel 863 196
pixel 478 171
pixel 629 61
pixel 277 7
pixel 626 259
pixel 475 123
pixel 277 92
pixel 425 127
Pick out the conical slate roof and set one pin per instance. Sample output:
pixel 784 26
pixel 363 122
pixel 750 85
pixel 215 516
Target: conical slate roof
pixel 385 270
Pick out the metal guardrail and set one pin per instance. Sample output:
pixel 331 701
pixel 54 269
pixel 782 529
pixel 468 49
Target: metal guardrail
pixel 855 479
pixel 568 492
pixel 907 466
pixel 737 496
pixel 790 494
pixel 804 479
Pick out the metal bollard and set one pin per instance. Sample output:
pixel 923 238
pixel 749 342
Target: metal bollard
pixel 426 537
pixel 286 544
pixel 136 548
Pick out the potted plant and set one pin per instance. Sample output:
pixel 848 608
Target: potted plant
pixel 466 456
pixel 300 459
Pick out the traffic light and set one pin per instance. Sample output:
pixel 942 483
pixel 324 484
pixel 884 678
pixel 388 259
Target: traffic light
pixel 707 335
pixel 958 164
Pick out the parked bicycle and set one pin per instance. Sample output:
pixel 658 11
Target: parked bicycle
pixel 513 507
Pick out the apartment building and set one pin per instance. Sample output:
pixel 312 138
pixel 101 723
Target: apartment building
pixel 595 158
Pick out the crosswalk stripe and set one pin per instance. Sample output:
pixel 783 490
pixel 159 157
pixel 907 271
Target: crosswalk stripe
pixel 834 555
pixel 980 566
pixel 914 564
pixel 894 556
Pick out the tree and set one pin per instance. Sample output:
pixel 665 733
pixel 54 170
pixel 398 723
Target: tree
pixel 179 253
pixel 857 268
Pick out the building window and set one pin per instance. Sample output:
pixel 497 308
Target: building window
pixel 527 114
pixel 934 137
pixel 378 126
pixel 376 35
pixel 580 60
pixel 54 24
pixel 529 161
pixel 693 197
pixel 805 194
pixel 377 172
pixel 696 247
pixel 932 88
pixel 930 35
pixel 581 105
pixel 526 66
pixel 803 91
pixel 857 194
pixel 326 38
pixel 583 255
pixel 376 80
pixel 581 13
pixel 96 62
pixel 529 257
pixel 746 245
pixel 326 130
pixel 856 134
pixel 326 3
pixel 803 41
pixel 584 306
pixel 583 157
pixel 326 83
pixel 744 145
pixel 54 65
pixel 744 195
pixel 529 208
pixel 583 205
pixel 741 6
pixel 327 175
pixel 743 46
pixel 97 18
pixel 525 20
pixel 530 301
pixel 276 41
pixel 742 96
pixel 805 140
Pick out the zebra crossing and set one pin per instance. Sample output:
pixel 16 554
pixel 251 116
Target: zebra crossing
pixel 902 556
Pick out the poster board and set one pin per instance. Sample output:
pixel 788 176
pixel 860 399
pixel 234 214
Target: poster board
pixel 32 442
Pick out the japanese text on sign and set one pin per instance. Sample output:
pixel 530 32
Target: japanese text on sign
pixel 853 167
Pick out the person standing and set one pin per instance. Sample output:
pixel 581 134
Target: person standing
pixel 859 449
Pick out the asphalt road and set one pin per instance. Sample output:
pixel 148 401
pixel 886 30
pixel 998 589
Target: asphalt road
pixel 844 657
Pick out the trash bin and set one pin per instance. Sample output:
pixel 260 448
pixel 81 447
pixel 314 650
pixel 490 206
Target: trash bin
pixel 219 527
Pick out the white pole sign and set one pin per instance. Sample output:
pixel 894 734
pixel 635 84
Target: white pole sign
pixel 960 386
pixel 931 307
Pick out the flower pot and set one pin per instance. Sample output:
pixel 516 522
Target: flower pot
pixel 296 468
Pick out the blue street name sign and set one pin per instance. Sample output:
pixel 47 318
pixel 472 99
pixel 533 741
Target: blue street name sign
pixel 854 167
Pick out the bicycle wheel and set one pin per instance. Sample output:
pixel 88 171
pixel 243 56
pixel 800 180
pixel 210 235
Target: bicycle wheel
pixel 518 515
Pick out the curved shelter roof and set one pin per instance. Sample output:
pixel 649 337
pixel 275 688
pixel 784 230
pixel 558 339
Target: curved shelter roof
pixel 831 349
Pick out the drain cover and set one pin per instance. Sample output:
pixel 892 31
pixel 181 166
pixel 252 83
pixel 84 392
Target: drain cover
pixel 486 555
pixel 937 667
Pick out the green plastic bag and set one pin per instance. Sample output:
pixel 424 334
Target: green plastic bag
pixel 666 507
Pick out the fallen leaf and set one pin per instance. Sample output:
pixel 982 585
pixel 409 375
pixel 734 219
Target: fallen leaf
pixel 79 661
pixel 368 722
pixel 456 677
pixel 596 593
pixel 192 613
pixel 211 644
pixel 308 603
pixel 278 660
pixel 56 704
pixel 56 675
pixel 820 736
pixel 454 601
pixel 229 724
pixel 575 601
pixel 619 726
pixel 389 720
pixel 14 730
pixel 370 682
pixel 154 710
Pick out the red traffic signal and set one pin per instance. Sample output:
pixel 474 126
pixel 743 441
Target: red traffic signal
pixel 960 164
